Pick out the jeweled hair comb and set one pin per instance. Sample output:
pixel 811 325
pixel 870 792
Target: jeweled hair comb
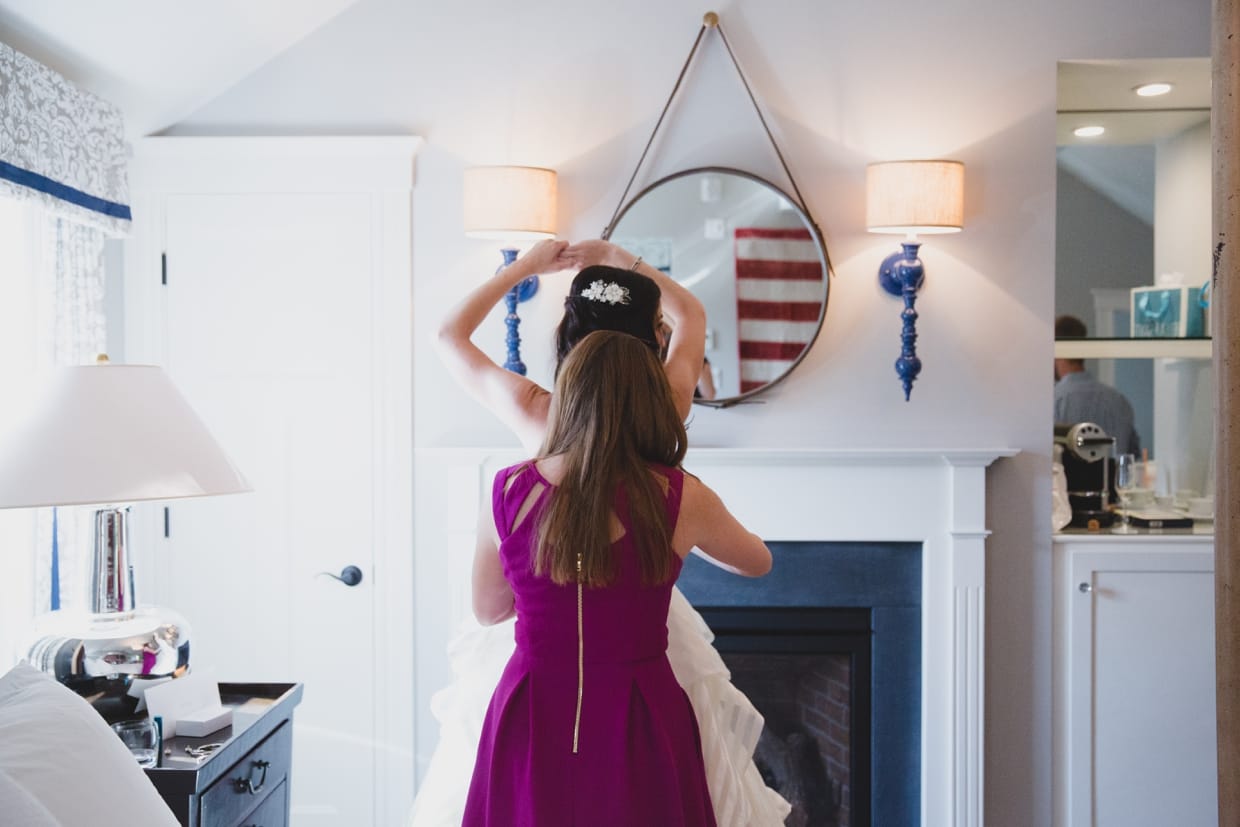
pixel 606 291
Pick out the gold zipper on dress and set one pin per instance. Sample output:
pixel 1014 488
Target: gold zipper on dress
pixel 581 669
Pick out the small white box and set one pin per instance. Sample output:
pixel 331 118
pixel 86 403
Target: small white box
pixel 203 721
pixel 194 698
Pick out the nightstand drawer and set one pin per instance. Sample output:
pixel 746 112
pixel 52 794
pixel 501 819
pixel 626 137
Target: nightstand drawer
pixel 272 812
pixel 250 782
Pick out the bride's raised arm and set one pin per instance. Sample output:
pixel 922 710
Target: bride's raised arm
pixel 520 403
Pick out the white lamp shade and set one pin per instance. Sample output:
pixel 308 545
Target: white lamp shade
pixel 111 434
pixel 510 203
pixel 914 197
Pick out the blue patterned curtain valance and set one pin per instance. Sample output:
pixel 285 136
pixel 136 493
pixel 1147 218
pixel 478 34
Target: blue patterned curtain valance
pixel 61 146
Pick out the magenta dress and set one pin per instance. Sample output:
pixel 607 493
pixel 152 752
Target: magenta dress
pixel 638 758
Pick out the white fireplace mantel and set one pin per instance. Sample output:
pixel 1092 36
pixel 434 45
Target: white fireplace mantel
pixel 932 496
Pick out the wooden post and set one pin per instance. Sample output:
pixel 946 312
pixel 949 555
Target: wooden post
pixel 1225 320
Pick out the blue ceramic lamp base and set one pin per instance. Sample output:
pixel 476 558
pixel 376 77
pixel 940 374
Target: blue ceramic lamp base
pixel 522 292
pixel 901 274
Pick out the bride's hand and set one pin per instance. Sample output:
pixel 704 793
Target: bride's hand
pixel 597 251
pixel 546 257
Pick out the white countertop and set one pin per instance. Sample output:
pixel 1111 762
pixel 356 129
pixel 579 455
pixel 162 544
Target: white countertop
pixel 1201 534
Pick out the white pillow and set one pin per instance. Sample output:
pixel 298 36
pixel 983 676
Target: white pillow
pixel 62 766
pixel 21 807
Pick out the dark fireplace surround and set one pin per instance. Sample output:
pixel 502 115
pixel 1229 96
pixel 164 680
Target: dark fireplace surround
pixel 844 618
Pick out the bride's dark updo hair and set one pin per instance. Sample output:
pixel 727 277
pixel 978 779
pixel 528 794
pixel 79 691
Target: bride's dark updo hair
pixel 637 314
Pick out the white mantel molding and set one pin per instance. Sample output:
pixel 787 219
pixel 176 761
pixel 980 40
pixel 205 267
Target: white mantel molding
pixel 932 496
pixel 853 456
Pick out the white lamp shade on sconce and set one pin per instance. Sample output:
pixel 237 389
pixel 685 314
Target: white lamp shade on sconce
pixel 110 434
pixel 508 203
pixel 914 197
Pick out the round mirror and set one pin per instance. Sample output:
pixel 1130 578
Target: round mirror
pixel 752 256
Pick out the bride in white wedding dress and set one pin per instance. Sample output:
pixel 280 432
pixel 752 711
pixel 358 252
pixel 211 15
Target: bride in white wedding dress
pixel 612 291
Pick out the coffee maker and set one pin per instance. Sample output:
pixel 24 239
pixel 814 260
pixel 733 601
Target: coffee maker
pixel 1086 457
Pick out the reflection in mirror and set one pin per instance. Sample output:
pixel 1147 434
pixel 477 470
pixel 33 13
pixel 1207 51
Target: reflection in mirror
pixel 1133 202
pixel 754 259
pixel 1133 211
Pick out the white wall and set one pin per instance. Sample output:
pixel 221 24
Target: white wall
pixel 1182 207
pixel 577 84
pixel 1183 242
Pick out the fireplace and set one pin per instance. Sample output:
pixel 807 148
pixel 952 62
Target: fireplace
pixel 811 682
pixel 828 648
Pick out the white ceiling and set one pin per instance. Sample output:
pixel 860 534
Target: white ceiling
pixel 1120 162
pixel 1100 92
pixel 159 60
pixel 1108 84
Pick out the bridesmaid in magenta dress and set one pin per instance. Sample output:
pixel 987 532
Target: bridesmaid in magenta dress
pixel 588 725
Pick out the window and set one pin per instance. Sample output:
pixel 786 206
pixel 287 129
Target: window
pixel 25 324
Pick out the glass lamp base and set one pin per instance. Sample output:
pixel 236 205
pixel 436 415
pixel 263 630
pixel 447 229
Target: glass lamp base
pixel 101 656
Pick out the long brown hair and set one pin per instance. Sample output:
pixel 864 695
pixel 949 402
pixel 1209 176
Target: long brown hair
pixel 612 415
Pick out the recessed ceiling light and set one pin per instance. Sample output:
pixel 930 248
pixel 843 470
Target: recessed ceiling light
pixel 1151 90
pixel 1088 131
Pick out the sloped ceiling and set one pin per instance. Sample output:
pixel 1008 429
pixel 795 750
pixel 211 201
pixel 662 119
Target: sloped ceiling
pixel 157 60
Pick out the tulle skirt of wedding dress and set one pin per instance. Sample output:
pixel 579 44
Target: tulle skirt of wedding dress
pixel 728 723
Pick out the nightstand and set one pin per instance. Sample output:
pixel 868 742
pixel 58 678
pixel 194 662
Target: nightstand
pixel 246 780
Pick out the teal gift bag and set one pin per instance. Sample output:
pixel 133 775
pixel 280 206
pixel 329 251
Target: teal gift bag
pixel 1167 312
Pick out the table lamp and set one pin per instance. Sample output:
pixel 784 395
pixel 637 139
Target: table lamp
pixel 908 198
pixel 110 435
pixel 507 203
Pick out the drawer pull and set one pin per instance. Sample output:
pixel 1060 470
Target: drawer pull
pixel 246 785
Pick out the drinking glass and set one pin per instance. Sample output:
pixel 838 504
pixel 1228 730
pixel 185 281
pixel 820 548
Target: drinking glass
pixel 1127 478
pixel 142 739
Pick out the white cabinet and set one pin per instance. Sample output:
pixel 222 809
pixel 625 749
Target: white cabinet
pixel 1134 739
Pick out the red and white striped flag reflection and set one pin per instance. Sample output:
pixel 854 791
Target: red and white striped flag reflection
pixel 779 298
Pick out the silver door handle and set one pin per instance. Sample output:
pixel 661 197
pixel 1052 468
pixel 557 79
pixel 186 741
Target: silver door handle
pixel 1085 588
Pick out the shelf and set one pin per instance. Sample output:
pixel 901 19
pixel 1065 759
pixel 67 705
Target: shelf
pixel 1134 349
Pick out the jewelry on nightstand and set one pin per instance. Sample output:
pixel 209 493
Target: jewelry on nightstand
pixel 202 750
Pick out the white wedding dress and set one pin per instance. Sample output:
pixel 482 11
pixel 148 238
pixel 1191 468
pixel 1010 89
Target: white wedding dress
pixel 728 723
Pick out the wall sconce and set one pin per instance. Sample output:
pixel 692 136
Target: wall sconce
pixel 509 204
pixel 911 197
